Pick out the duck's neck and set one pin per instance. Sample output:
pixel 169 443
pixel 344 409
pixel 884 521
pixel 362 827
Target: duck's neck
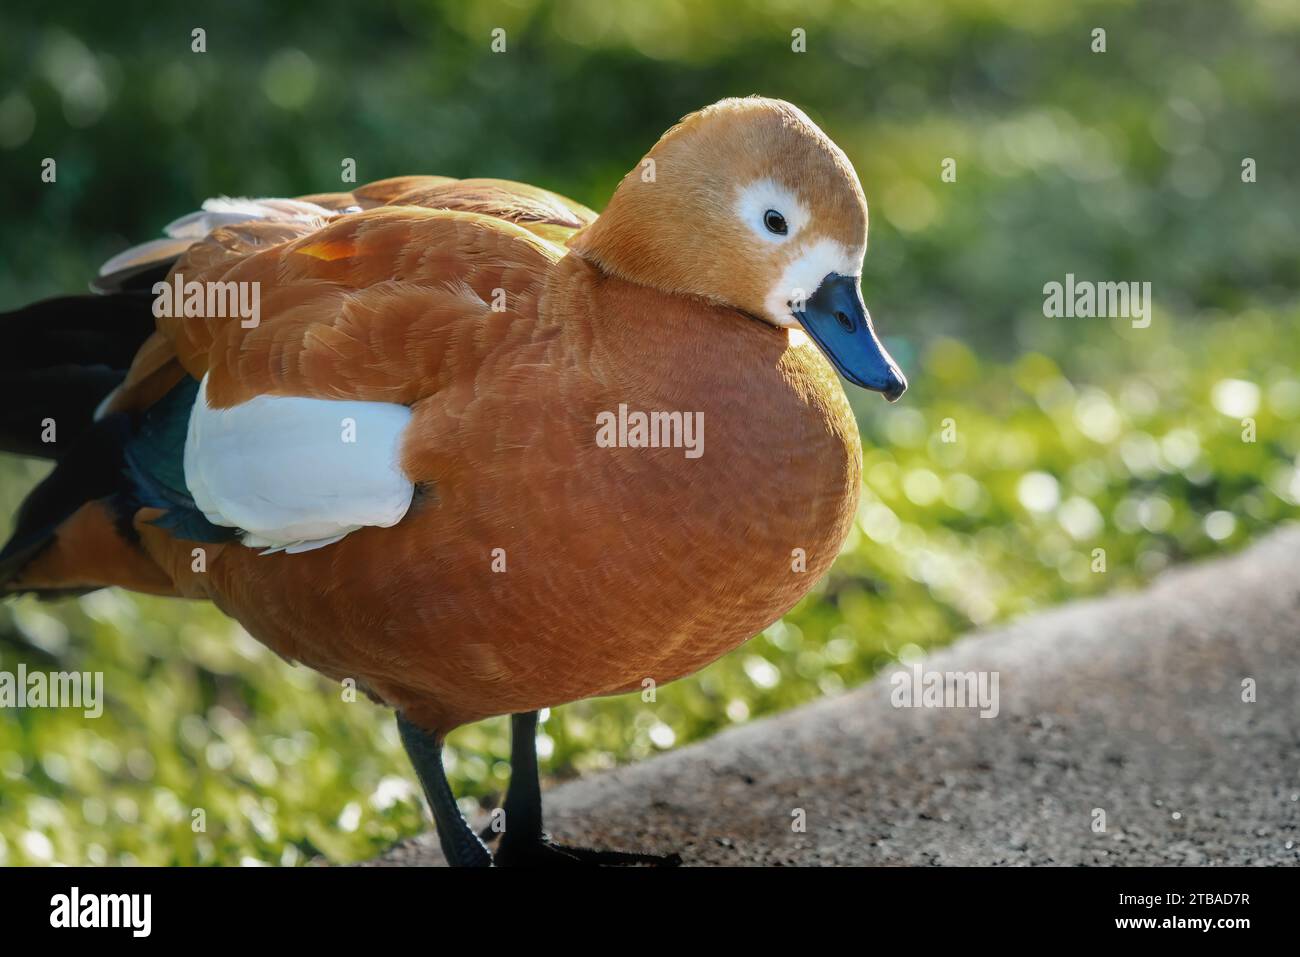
pixel 639 332
pixel 620 245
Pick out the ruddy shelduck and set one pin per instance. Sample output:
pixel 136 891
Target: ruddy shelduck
pixel 464 442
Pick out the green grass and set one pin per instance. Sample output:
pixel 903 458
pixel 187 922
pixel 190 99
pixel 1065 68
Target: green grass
pixel 1136 439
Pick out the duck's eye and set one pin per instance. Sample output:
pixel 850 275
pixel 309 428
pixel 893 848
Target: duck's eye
pixel 775 222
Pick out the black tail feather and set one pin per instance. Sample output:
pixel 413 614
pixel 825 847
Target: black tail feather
pixel 84 330
pixel 60 358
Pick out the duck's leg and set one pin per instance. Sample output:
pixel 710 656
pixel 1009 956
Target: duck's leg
pixel 523 842
pixel 460 845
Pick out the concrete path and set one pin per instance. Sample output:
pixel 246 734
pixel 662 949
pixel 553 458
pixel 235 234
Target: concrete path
pixel 1130 705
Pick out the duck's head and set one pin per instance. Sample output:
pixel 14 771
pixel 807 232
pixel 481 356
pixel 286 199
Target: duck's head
pixel 749 205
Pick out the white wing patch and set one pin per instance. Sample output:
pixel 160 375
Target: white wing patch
pixel 282 469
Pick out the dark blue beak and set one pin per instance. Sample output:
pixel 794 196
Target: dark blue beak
pixel 838 321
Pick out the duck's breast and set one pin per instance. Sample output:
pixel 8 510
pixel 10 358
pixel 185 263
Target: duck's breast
pixel 664 485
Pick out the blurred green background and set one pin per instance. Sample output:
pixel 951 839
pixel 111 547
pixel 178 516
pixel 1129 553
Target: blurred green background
pixel 1071 434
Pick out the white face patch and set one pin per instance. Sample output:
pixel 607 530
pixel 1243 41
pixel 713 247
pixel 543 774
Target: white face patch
pixel 805 273
pixel 754 201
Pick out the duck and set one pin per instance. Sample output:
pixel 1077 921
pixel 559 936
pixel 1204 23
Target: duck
pixel 480 451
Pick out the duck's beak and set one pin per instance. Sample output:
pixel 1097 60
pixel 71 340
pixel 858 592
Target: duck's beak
pixel 838 321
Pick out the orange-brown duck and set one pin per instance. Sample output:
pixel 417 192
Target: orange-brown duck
pixel 466 443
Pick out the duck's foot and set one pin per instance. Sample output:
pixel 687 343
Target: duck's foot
pixel 540 851
pixel 523 842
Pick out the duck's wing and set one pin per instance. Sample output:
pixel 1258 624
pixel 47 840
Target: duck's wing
pixel 551 216
pixel 547 214
pixel 351 310
pixel 376 307
pixel 141 266
pixel 295 436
